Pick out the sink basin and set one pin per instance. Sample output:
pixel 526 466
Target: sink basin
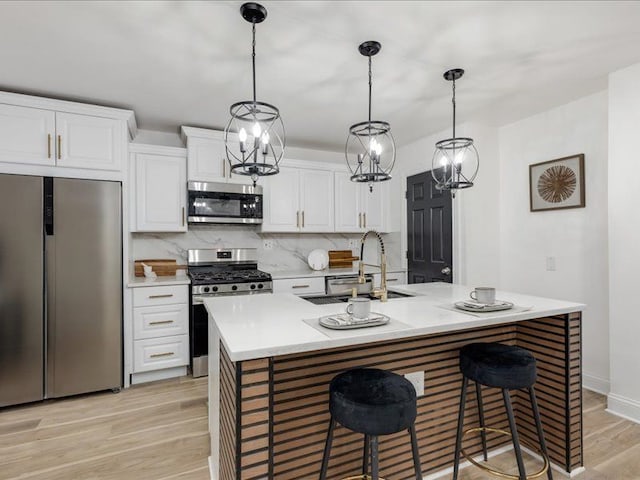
pixel 345 298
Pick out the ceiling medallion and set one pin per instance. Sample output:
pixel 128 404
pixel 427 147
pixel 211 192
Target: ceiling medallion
pixel 370 150
pixel 254 137
pixel 455 161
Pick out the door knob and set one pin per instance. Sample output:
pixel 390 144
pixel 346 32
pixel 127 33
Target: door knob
pixel 446 271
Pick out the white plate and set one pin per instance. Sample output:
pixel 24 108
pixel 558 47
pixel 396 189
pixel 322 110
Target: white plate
pixel 483 307
pixel 344 321
pixel 318 259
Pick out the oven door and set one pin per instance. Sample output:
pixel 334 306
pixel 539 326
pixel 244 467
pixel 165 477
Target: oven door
pixel 224 203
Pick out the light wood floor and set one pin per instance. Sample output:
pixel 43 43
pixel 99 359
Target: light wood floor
pixel 159 432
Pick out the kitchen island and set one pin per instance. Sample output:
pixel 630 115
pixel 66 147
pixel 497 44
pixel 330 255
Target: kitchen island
pixel 270 365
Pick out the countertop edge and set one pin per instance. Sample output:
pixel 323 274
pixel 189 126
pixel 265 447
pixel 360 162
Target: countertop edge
pixel 138 282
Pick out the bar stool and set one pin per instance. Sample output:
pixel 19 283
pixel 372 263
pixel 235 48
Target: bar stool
pixel 508 368
pixel 372 402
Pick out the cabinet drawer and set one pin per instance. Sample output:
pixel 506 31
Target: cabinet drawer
pixel 158 353
pixel 300 286
pixel 148 296
pixel 161 321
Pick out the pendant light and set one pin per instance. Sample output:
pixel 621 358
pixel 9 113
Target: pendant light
pixel 455 162
pixel 254 138
pixel 370 150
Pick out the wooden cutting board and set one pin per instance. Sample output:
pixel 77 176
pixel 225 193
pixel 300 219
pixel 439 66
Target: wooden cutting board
pixel 341 259
pixel 161 267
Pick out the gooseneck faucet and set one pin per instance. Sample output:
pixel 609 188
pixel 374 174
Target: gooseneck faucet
pixel 380 292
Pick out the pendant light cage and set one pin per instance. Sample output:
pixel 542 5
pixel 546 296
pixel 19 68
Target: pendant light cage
pixel 370 150
pixel 455 162
pixel 254 137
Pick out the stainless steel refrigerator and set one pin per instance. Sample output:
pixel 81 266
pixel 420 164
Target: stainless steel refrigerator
pixel 60 287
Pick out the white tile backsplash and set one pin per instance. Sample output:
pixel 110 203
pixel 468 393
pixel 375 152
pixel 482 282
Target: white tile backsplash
pixel 289 250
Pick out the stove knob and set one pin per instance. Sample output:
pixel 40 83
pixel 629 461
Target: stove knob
pixel 260 285
pixel 205 289
pixel 253 287
pixel 235 287
pixel 214 289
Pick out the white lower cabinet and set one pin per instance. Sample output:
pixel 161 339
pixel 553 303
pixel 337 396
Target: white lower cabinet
pixel 160 332
pixel 300 286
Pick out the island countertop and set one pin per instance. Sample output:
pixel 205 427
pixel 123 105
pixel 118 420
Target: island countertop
pixel 265 325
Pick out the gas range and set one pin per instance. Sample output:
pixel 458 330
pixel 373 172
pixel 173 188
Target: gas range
pixel 227 272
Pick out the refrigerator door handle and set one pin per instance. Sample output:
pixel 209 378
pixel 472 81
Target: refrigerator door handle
pixel 48 206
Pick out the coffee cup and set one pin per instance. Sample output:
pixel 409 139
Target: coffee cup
pixel 486 295
pixel 359 307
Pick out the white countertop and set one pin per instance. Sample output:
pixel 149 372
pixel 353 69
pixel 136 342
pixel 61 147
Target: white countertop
pixel 307 272
pixel 135 282
pixel 257 326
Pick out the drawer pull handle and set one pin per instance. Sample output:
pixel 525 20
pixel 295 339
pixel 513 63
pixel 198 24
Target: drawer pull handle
pixel 59 147
pixel 166 295
pixel 300 286
pixel 392 280
pixel 49 145
pixel 161 322
pixel 166 354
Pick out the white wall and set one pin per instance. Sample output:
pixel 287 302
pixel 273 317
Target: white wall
pixel 624 236
pixel 577 238
pixel 476 226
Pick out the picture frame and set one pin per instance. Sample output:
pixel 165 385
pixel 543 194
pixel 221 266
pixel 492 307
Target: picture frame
pixel 557 184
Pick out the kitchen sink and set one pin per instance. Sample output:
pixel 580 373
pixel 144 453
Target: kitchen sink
pixel 345 298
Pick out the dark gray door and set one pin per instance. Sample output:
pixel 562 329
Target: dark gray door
pixel 21 285
pixel 429 231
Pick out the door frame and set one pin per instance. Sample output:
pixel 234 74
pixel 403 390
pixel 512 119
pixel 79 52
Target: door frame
pixel 457 255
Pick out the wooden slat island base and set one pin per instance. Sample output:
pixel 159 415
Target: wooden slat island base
pixel 272 412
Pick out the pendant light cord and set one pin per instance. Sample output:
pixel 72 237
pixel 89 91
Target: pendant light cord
pixel 453 100
pixel 370 83
pixel 253 60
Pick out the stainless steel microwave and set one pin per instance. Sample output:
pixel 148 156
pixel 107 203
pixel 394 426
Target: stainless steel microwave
pixel 224 203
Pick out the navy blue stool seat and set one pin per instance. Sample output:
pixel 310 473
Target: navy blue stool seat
pixel 372 402
pixel 506 367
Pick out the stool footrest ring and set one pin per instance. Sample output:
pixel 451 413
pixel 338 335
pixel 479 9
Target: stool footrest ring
pixel 499 473
pixel 362 477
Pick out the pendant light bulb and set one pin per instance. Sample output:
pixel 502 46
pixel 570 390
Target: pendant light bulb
pixel 265 138
pixel 256 130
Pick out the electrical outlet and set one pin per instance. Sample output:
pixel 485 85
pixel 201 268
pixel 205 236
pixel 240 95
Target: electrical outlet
pixel 268 244
pixel 551 264
pixel 353 243
pixel 417 380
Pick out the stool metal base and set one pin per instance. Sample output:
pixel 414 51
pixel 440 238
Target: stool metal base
pixel 498 473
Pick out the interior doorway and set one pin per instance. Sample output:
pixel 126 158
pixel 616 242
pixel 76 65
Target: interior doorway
pixel 429 231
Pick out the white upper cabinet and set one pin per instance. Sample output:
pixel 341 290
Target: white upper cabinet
pixel 281 201
pixel 206 157
pixel 27 135
pixel 83 141
pixel 348 212
pixel 316 200
pixel 159 177
pixel 70 139
pixel 298 200
pixel 357 209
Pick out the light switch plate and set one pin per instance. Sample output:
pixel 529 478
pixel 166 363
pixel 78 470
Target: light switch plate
pixel 268 244
pixel 551 264
pixel 353 243
pixel 417 380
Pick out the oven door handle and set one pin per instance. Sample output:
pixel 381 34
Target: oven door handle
pixel 197 300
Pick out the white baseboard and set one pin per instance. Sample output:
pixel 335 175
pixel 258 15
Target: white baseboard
pixel 596 384
pixel 211 474
pixel 574 473
pixel 624 407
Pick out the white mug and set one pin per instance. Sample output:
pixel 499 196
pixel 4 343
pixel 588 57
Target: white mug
pixel 359 307
pixel 486 295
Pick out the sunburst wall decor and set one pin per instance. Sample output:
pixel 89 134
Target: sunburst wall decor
pixel 557 184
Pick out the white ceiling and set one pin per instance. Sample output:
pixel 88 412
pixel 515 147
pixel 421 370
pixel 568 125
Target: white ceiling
pixel 183 63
